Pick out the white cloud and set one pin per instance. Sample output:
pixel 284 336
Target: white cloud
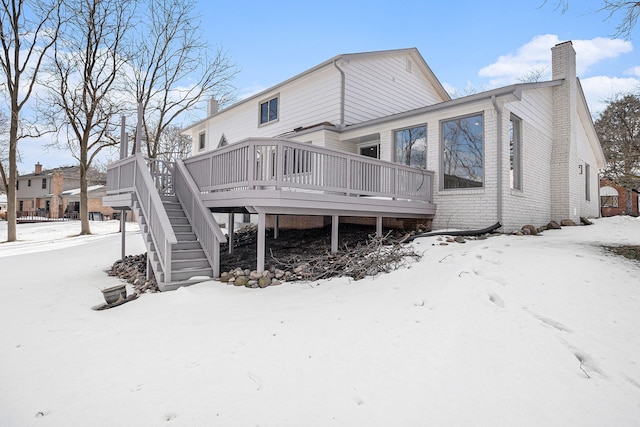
pixel 591 52
pixel 599 90
pixel 536 55
pixel 634 71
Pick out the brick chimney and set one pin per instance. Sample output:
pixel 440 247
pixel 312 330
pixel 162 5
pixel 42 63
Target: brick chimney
pixel 564 164
pixel 212 106
pixel 38 168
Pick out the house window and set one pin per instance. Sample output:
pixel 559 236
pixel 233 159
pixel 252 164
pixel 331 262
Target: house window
pixel 28 183
pixel 463 152
pixel 44 183
pixel 411 146
pixel 269 111
pixel 587 181
pixel 17 184
pixel 372 151
pixel 201 141
pixel 515 152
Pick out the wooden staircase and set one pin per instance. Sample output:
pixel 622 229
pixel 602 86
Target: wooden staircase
pixel 189 263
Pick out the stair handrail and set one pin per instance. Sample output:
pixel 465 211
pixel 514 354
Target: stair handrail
pixel 157 219
pixel 204 226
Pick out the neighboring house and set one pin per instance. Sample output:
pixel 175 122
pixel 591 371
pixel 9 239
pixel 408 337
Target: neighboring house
pixel 525 153
pixel 617 200
pixel 95 193
pixel 369 137
pixel 54 193
pixel 3 206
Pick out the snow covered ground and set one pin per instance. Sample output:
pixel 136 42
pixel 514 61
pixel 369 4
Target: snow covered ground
pixel 507 331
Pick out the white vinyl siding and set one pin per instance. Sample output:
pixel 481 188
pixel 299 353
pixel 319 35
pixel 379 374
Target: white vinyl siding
pixel 378 87
pixel 305 102
pixel 589 204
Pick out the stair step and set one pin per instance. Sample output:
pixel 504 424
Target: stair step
pixel 175 213
pixel 182 228
pixel 187 245
pixel 169 198
pixel 188 273
pixel 187 254
pixel 175 220
pixel 186 237
pixel 181 264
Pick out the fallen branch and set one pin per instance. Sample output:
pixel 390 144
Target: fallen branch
pixel 377 255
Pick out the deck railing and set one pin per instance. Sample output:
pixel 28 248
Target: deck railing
pixel 264 163
pixel 132 175
pixel 200 218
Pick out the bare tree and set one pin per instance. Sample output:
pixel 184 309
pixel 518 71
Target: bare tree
pixel 28 29
pixel 4 146
pixel 83 82
pixel 173 145
pixel 173 69
pixel 619 131
pixel 534 75
pixel 628 10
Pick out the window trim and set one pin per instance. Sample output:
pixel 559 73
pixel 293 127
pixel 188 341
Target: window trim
pixel 441 186
pixel 515 163
pixel 267 101
pixel 202 140
pixel 587 181
pixel 426 143
pixel 44 183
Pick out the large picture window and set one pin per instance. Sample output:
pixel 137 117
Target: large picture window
pixel 411 146
pixel 463 152
pixel 269 111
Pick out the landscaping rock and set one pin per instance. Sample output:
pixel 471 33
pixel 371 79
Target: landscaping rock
pixel 553 225
pixel 585 221
pixel 567 223
pixel 530 230
pixel 241 281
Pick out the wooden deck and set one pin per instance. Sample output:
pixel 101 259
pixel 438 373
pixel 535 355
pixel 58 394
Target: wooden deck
pixel 264 176
pixel 282 177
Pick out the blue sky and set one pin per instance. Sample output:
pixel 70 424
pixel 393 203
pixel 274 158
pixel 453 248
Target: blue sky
pixel 467 44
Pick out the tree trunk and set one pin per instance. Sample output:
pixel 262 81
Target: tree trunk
pixel 84 196
pixel 12 235
pixel 628 210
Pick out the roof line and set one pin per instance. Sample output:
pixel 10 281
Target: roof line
pixel 514 90
pixel 343 56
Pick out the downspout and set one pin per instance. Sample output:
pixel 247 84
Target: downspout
pixel 499 154
pixel 342 93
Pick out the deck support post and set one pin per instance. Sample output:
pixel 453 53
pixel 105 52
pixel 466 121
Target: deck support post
pixel 335 221
pixel 276 226
pixel 123 223
pixel 261 241
pixel 379 226
pixel 230 232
